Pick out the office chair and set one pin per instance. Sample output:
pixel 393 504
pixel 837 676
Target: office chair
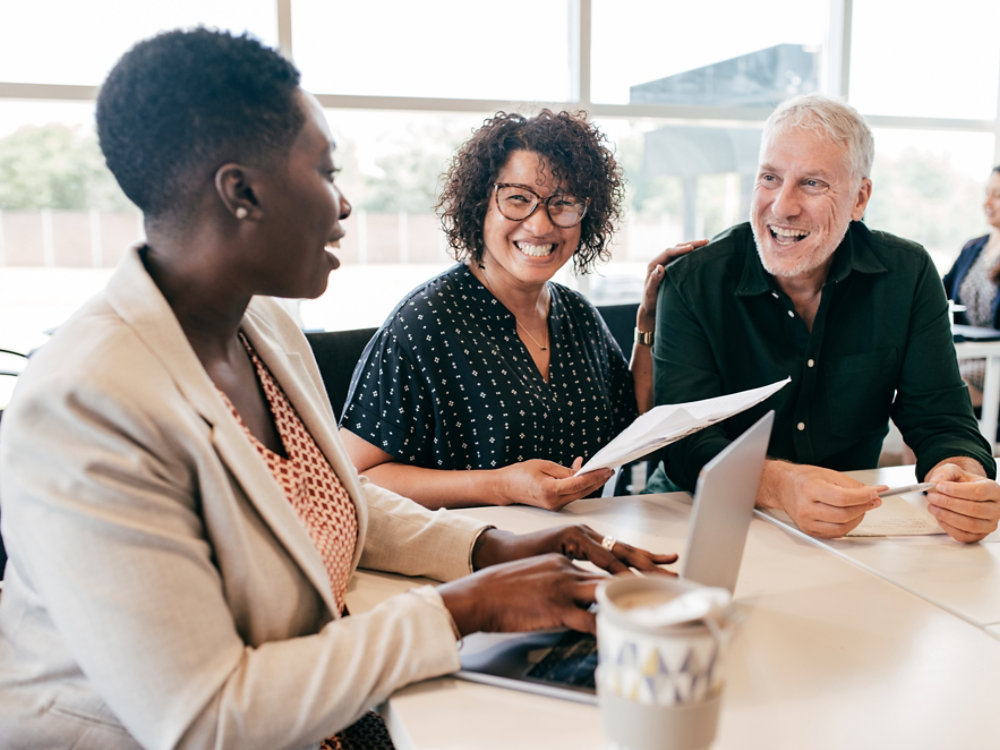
pixel 337 352
pixel 621 322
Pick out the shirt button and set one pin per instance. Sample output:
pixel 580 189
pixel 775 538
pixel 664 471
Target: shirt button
pixel 801 426
pixel 810 363
pixel 774 294
pixel 791 314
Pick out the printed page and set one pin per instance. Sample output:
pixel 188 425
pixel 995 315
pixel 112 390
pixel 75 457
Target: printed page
pixel 899 515
pixel 664 424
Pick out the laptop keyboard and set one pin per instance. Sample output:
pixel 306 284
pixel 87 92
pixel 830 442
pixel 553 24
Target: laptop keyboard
pixel 571 661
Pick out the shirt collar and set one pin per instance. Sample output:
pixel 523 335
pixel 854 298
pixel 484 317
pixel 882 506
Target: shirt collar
pixel 854 254
pixel 492 305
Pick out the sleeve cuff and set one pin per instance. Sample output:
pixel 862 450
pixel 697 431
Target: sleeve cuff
pixel 430 596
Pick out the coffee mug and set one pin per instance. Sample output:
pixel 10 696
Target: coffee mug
pixel 659 682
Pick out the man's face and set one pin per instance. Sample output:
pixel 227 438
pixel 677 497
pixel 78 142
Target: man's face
pixel 803 201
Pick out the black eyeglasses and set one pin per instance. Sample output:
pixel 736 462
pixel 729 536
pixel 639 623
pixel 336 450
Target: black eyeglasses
pixel 517 203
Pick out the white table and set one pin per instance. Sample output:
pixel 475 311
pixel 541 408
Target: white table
pixel 961 579
pixel 829 655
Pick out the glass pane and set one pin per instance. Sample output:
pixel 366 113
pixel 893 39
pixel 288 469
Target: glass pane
pixel 41 40
pixel 648 51
pixel 435 48
pixel 391 165
pixel 685 182
pixel 64 223
pixel 928 186
pixel 926 73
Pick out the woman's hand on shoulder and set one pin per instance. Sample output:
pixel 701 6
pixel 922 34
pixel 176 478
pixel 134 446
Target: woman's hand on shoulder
pixel 654 277
pixel 547 484
pixel 529 581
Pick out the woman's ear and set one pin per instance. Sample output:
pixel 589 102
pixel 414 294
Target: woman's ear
pixel 233 186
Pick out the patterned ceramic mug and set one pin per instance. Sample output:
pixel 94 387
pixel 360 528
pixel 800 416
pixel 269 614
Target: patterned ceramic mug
pixel 657 686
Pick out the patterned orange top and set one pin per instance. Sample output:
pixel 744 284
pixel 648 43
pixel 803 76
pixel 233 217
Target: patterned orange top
pixel 309 483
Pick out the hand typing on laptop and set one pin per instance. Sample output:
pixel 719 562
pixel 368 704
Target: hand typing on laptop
pixel 529 582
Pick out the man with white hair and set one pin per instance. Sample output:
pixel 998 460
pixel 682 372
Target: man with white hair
pixel 859 320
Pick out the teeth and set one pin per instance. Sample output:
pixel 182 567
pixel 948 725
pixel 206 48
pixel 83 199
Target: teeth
pixel 535 251
pixel 793 234
pixel 333 245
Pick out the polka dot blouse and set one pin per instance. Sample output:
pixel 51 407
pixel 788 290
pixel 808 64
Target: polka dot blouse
pixel 446 383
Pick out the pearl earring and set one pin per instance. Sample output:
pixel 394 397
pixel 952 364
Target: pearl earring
pixel 241 212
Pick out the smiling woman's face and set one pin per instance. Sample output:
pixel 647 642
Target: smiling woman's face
pixel 529 251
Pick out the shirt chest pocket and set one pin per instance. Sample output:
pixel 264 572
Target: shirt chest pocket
pixel 858 390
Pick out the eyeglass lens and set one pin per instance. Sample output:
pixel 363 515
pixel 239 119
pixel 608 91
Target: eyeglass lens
pixel 517 203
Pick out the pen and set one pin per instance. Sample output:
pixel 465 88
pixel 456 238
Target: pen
pixel 923 486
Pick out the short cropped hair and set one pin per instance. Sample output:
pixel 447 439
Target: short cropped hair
pixel 575 152
pixel 177 106
pixel 832 118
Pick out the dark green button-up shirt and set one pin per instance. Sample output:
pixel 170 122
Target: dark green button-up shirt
pixel 880 348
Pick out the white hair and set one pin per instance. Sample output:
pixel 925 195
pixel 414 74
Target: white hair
pixel 832 118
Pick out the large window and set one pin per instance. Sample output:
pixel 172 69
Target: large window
pixel 680 90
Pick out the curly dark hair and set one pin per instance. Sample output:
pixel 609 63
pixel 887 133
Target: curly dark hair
pixel 178 105
pixel 572 148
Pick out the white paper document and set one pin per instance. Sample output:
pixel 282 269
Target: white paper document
pixel 899 515
pixel 664 424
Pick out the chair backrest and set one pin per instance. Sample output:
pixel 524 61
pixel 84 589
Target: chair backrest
pixel 337 352
pixel 621 321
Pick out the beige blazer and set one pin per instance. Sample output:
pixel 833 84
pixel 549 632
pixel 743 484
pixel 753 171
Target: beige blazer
pixel 161 591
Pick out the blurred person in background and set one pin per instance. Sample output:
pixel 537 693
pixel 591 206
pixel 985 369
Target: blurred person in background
pixel 973 283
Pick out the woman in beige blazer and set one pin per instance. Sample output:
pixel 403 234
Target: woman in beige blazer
pixel 176 572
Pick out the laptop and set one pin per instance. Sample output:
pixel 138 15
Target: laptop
pixel 561 663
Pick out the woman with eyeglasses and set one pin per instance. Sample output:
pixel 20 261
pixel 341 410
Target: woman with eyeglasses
pixel 491 383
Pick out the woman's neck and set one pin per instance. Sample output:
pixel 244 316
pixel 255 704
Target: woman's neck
pixel 528 302
pixel 208 308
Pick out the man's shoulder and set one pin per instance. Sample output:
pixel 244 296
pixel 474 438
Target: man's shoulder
pixel 879 239
pixel 725 254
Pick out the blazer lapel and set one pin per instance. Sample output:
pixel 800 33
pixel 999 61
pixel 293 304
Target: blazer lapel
pixel 302 384
pixel 137 299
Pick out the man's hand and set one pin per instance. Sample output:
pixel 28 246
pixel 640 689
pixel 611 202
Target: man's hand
pixel 964 501
pixel 821 502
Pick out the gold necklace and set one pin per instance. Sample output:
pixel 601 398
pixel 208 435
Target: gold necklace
pixel 517 322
